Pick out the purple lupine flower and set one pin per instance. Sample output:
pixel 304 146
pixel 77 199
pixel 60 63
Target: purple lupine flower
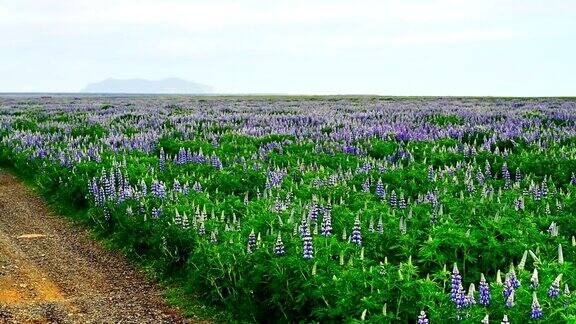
pixel 185 222
pixel 487 170
pixel 327 223
pixel 380 192
pixel 108 189
pixel 197 187
pixel 402 202
pixel 202 229
pixel 484 290
pixel 356 234
pixel 537 193
pixel 279 246
pixel 544 189
pixel 573 179
pixel 317 183
pixel 460 298
pixel 122 194
pixel 101 196
pixel 303 225
pixel 106 213
pixel 393 198
pixel 158 189
pixel 434 216
pixel 422 318
pixel 554 290
pixel 469 299
pixel 510 300
pixel 176 187
pixel 517 204
pixel 506 175
pixel 162 159
pixel 536 312
pixel 333 179
pixel 508 288
pixel 156 211
pixel 456 282
pixel 154 187
pixel 182 156
pixel 143 188
pixel 313 213
pixel 251 242
pixel 430 173
pixel 518 176
pixel 513 279
pixel 216 163
pixel 366 186
pixel 480 178
pixel 307 247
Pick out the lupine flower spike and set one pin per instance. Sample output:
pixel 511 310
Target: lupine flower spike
pixel 251 242
pixel 356 235
pixel 469 299
pixel 484 291
pixel 534 283
pixel 554 290
pixel 510 300
pixel 279 246
pixel 536 312
pixel 422 318
pixel 456 282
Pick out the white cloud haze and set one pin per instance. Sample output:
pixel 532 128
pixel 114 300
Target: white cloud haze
pixel 418 47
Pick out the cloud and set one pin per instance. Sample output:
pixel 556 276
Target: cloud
pixel 218 15
pixel 248 44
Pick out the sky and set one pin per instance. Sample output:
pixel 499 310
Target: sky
pixel 386 47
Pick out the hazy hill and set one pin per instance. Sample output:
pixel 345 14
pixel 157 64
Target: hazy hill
pixel 170 85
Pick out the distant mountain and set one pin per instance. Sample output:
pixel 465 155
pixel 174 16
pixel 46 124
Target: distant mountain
pixel 165 86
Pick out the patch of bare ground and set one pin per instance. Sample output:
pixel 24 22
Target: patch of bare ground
pixel 53 272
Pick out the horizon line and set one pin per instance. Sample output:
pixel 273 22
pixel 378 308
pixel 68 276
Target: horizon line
pixel 273 94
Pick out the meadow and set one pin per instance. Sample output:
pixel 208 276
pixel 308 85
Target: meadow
pixel 327 209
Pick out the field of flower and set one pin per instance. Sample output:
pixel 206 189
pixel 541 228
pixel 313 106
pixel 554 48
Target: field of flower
pixel 322 208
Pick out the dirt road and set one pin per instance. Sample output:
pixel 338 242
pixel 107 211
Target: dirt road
pixel 52 272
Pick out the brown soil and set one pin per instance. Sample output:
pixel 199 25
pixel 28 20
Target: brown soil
pixel 53 272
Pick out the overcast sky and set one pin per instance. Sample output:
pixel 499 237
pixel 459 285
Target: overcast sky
pixel 390 47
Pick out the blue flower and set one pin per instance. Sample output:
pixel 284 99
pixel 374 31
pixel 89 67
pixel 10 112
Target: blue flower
pixel 510 300
pixel 356 235
pixel 327 222
pixel 554 290
pixel 251 242
pixel 380 192
pixel 279 246
pixel 536 311
pixel 484 291
pixel 422 318
pixel 307 247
